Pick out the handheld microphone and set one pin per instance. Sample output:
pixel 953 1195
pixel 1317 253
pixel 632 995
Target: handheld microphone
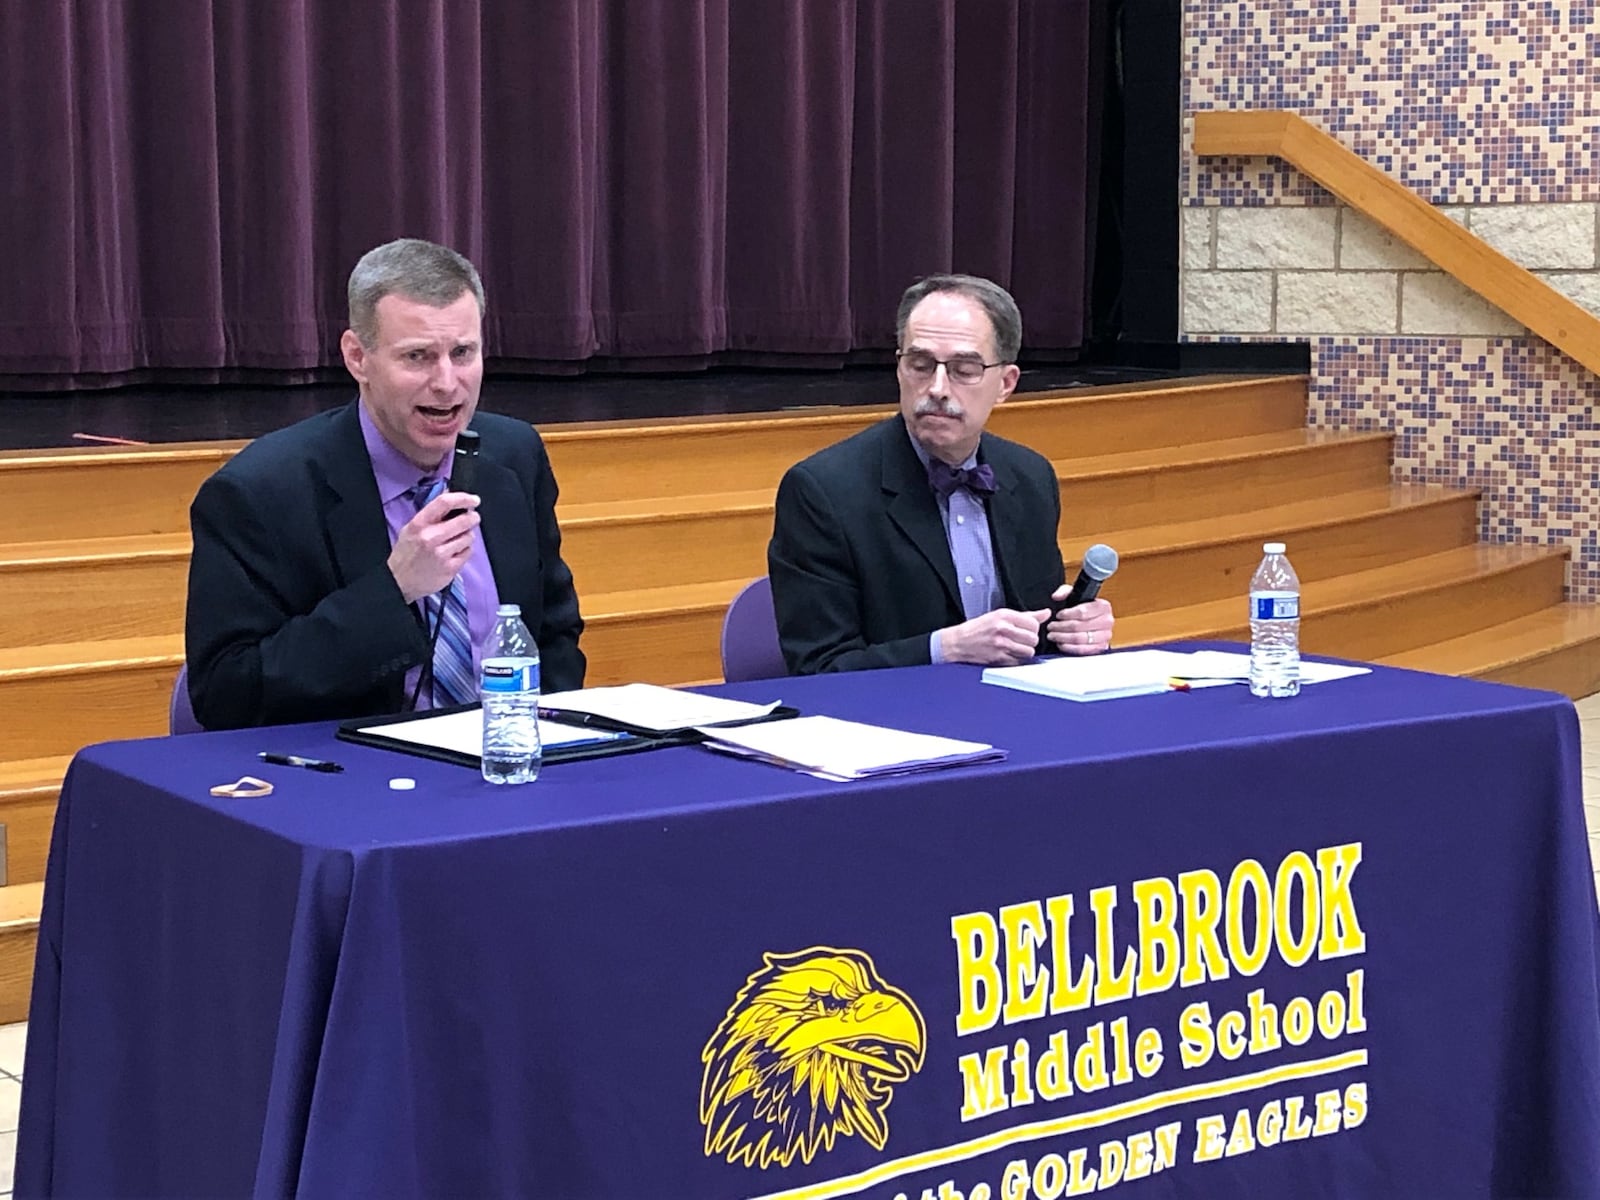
pixel 464 467
pixel 1099 564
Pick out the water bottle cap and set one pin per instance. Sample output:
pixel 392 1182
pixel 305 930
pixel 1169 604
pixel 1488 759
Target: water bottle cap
pixel 508 610
pixel 1273 548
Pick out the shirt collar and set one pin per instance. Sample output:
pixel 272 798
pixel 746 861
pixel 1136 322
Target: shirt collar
pixel 395 473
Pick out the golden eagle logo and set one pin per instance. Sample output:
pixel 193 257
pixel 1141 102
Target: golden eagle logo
pixel 807 1053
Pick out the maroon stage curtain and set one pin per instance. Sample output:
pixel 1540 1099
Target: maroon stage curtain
pixel 188 182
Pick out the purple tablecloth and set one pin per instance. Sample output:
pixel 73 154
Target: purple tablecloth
pixel 1339 946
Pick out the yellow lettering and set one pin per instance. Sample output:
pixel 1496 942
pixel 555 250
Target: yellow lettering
pixel 1296 866
pixel 1270 1124
pixel 1230 1035
pixel 1121 1055
pixel 1202 911
pixel 1069 994
pixel 978 979
pixel 1248 957
pixel 1263 1023
pixel 1330 1109
pixel 1195 1043
pixel 1355 1105
pixel 1113 1160
pixel 1054 1072
pixel 1014 1182
pixel 1050 1176
pixel 1341 931
pixel 1295 1125
pixel 1167 1145
pixel 1089 1064
pixel 1158 935
pixel 1356 982
pixel 1021 1093
pixel 1112 984
pixel 1242 1141
pixel 1026 985
pixel 983 1084
pixel 1298 1021
pixel 1078 1184
pixel 1209 1142
pixel 1140 1147
pixel 1330 1014
pixel 1147 1056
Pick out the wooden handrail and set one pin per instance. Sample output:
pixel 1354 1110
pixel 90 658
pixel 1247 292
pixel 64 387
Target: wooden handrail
pixel 1449 246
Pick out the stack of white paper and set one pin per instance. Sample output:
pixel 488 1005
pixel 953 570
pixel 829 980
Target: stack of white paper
pixel 846 750
pixel 644 707
pixel 1143 672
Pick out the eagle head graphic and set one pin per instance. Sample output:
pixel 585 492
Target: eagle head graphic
pixel 807 1053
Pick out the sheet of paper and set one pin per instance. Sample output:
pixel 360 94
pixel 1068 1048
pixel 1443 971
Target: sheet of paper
pixel 662 709
pixel 1228 664
pixel 462 732
pixel 837 749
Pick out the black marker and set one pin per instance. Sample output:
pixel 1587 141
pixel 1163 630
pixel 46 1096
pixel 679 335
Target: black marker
pixel 294 760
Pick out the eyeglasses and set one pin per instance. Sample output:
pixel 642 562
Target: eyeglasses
pixel 961 368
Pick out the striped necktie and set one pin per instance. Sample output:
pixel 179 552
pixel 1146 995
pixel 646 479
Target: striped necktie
pixel 453 681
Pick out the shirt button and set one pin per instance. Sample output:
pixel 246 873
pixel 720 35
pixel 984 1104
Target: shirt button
pixel 969 578
pixel 960 520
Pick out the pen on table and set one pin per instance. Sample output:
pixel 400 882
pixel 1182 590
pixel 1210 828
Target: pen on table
pixel 294 760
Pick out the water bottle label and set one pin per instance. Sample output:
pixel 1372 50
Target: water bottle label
pixel 1266 607
pixel 510 675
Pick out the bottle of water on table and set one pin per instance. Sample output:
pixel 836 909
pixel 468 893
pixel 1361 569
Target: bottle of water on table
pixel 1274 626
pixel 509 689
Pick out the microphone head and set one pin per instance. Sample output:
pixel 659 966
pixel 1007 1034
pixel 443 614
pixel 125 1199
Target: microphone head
pixel 1099 562
pixel 464 464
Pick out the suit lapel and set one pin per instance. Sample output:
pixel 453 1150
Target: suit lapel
pixel 1007 519
pixel 357 532
pixel 912 508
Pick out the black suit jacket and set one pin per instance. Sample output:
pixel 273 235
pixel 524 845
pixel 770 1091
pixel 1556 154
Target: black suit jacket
pixel 860 565
pixel 292 612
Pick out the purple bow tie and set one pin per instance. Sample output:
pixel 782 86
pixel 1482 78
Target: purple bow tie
pixel 944 478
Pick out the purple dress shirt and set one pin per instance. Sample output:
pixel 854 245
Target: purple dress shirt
pixel 396 475
pixel 966 528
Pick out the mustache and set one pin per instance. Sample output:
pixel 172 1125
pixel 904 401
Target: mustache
pixel 931 406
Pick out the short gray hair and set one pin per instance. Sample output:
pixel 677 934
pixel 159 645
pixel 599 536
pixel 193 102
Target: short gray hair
pixel 423 271
pixel 1002 310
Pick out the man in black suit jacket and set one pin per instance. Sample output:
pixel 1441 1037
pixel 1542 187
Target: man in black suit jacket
pixel 925 539
pixel 312 552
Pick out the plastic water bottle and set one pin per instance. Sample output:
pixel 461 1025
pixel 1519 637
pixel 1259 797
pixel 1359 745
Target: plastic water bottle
pixel 1274 626
pixel 509 688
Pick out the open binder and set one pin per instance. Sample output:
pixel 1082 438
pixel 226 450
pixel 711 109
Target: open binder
pixel 571 728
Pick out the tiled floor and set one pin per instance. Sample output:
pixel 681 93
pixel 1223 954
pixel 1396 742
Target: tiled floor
pixel 12 1036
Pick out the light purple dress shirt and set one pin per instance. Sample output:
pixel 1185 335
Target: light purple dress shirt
pixel 966 528
pixel 396 475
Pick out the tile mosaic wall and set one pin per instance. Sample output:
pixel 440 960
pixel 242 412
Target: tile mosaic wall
pixel 1490 104
pixel 1512 416
pixel 1471 102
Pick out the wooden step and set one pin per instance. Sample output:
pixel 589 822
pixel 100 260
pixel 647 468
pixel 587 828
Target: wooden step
pixel 20 906
pixel 1145 487
pixel 1556 648
pixel 87 588
pixel 1185 562
pixel 1387 610
pixel 29 789
pixel 669 635
pixel 679 457
pixel 620 545
pixel 57 698
pixel 105 491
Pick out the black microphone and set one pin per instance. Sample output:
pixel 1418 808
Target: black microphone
pixel 464 467
pixel 1099 564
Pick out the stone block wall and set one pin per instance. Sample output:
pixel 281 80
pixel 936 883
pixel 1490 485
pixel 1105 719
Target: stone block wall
pixel 1486 108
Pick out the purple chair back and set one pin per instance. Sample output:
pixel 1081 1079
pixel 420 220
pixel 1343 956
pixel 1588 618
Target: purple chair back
pixel 180 715
pixel 750 635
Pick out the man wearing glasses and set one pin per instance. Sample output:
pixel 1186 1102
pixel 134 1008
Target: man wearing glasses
pixel 925 539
